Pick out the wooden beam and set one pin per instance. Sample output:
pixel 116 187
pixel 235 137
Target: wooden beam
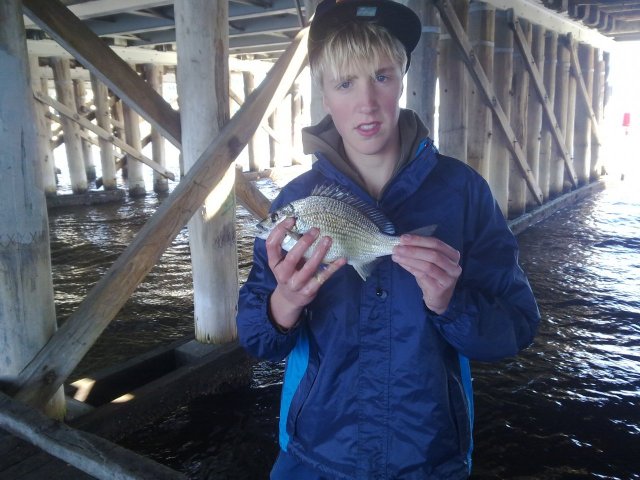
pixel 582 88
pixel 102 133
pixel 450 19
pixel 547 108
pixel 60 356
pixel 550 20
pixel 91 454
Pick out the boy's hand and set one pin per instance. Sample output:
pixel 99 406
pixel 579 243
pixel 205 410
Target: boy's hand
pixel 298 279
pixel 435 266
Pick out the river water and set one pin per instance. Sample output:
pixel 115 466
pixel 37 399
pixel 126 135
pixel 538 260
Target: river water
pixel 566 408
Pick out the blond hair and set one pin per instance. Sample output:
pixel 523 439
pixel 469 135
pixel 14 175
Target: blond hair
pixel 354 46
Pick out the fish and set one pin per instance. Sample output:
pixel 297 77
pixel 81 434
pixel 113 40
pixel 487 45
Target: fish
pixel 361 233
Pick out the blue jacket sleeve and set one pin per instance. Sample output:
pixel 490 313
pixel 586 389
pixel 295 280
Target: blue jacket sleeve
pixel 493 313
pixel 256 332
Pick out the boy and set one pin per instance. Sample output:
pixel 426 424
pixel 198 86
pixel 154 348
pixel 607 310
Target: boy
pixel 377 383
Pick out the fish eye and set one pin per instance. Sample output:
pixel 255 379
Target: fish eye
pixel 274 217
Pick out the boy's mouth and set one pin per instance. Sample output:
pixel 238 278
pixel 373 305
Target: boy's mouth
pixel 368 129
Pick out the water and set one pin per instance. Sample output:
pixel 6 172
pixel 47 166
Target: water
pixel 566 408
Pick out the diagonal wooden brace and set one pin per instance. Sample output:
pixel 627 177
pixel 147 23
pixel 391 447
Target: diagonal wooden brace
pixel 543 98
pixel 450 19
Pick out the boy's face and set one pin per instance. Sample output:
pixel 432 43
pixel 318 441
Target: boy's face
pixel 365 109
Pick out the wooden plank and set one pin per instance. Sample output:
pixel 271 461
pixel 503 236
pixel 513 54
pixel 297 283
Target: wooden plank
pixel 547 108
pixel 450 19
pixel 60 356
pixel 582 89
pixel 89 453
pixel 102 133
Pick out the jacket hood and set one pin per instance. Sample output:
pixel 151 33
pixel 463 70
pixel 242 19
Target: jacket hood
pixel 324 138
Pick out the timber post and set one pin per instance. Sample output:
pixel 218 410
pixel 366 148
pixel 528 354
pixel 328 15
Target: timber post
pixel 153 74
pixel 80 94
pixel 107 159
pixel 561 105
pixel 201 25
pixel 423 74
pixel 534 113
pixel 503 73
pixel 481 35
pixel 45 153
pixel 546 144
pixel 520 103
pixel 583 132
pixel 452 131
pixel 27 309
pixel 135 178
pixel 599 88
pixel 255 163
pixel 72 141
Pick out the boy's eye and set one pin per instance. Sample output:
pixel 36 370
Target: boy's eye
pixel 381 78
pixel 344 85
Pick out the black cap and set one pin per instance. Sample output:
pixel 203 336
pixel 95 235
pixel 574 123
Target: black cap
pixel 399 20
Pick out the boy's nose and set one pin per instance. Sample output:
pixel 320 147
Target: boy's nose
pixel 368 99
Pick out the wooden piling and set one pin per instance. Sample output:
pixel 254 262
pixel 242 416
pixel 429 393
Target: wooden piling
pixel 43 131
pixel 561 104
pixel 255 163
pixel 423 72
pixel 503 75
pixel 27 309
pixel 582 138
pixel 72 139
pixel 107 160
pixel 546 144
pixel 153 74
pixel 571 113
pixel 135 179
pixel 519 116
pixel 598 108
pixel 202 25
pixel 481 35
pixel 452 120
pixel 534 113
pixel 80 95
pixel 296 122
pixel 316 108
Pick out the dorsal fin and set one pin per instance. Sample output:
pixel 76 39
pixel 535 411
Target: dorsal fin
pixel 338 192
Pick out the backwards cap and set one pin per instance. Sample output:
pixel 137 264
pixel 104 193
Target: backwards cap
pixel 399 20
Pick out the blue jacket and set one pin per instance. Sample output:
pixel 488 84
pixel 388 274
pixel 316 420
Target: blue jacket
pixel 377 386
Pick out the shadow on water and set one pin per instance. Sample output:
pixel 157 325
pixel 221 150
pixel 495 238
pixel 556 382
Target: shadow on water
pixel 566 408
